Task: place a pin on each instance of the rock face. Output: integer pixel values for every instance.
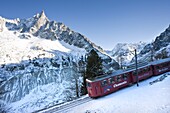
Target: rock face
(29, 74)
(36, 52)
(158, 49)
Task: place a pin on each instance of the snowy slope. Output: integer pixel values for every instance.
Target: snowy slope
(14, 49)
(143, 99)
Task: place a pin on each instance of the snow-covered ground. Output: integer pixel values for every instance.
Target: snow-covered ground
(146, 98)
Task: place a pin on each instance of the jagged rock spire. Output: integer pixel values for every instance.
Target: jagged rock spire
(42, 14)
(41, 20)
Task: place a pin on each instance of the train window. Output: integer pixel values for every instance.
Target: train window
(134, 73)
(88, 84)
(164, 65)
(111, 80)
(145, 70)
(119, 78)
(115, 78)
(139, 72)
(104, 83)
(125, 76)
(149, 69)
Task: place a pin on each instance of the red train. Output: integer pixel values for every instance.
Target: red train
(107, 84)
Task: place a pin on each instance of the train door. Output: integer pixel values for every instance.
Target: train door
(98, 89)
(130, 78)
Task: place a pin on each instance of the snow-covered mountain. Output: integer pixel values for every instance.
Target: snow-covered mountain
(158, 49)
(37, 55)
(41, 26)
(124, 52)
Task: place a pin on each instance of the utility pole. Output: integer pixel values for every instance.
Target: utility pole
(136, 63)
(136, 66)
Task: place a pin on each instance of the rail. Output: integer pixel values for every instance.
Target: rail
(64, 107)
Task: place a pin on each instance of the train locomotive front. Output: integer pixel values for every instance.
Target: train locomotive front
(107, 84)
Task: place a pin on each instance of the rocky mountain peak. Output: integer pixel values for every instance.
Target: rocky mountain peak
(41, 20)
(42, 14)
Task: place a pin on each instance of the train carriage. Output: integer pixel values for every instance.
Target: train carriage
(144, 72)
(107, 84)
(161, 66)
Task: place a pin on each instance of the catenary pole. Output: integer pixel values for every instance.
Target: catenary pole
(136, 63)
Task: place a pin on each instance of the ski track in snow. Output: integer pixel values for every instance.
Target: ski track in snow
(143, 99)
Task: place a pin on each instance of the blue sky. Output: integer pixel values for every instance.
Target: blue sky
(104, 22)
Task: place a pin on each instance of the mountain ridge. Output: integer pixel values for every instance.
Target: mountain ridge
(124, 52)
(158, 49)
(40, 26)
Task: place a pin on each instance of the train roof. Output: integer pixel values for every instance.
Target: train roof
(115, 73)
(160, 61)
(107, 75)
(118, 72)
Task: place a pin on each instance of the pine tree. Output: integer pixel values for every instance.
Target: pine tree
(94, 65)
(93, 69)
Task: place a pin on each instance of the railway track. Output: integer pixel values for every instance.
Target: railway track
(65, 107)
